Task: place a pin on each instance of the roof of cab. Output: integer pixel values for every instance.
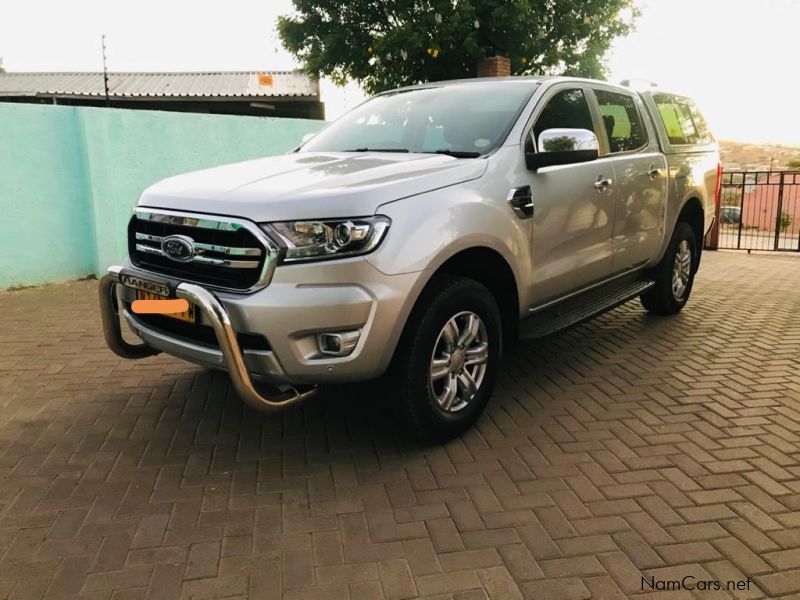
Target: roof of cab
(517, 79)
(471, 81)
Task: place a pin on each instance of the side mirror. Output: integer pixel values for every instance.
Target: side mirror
(561, 147)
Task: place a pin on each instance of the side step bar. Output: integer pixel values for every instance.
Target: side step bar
(217, 316)
(581, 308)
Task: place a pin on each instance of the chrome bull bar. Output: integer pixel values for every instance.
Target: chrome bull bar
(215, 313)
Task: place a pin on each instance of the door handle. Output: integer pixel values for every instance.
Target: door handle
(602, 183)
(653, 173)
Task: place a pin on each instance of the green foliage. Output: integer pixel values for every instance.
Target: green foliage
(2, 70)
(385, 44)
(785, 221)
(794, 164)
(559, 144)
(732, 196)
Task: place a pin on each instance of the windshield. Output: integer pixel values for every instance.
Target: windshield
(469, 120)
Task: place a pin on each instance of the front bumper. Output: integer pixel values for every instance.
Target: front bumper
(300, 302)
(216, 315)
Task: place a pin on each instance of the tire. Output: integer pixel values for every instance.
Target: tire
(668, 296)
(428, 404)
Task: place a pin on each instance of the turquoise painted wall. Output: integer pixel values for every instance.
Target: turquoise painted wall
(69, 177)
(46, 228)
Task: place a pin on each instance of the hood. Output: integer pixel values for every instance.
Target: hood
(310, 185)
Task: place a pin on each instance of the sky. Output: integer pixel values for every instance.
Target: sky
(735, 57)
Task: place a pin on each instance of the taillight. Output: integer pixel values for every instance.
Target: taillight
(718, 185)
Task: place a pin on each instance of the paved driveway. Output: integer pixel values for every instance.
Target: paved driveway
(627, 448)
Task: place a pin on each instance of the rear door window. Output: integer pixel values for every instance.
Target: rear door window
(682, 120)
(622, 121)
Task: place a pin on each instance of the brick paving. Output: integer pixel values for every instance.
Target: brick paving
(627, 447)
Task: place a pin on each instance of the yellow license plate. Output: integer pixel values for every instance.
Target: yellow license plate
(190, 316)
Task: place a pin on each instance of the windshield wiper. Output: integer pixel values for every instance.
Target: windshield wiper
(378, 150)
(454, 153)
(457, 153)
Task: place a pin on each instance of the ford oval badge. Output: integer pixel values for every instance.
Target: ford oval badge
(179, 248)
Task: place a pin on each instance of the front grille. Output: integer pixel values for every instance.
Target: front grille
(217, 251)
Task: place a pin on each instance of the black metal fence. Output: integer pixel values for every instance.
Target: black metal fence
(759, 210)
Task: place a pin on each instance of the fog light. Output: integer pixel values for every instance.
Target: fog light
(338, 344)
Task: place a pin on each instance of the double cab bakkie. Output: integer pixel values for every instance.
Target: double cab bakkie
(418, 236)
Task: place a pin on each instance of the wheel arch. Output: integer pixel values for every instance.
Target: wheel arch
(490, 268)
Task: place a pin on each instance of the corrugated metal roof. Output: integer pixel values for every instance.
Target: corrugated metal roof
(262, 84)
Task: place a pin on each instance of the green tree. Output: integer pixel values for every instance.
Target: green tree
(2, 70)
(794, 164)
(559, 144)
(785, 221)
(389, 43)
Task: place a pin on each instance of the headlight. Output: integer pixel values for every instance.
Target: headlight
(336, 238)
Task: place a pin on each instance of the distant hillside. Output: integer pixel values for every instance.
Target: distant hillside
(757, 157)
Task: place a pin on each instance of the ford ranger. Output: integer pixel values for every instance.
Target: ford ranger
(417, 237)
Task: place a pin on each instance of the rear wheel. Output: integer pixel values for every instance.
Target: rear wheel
(446, 364)
(674, 275)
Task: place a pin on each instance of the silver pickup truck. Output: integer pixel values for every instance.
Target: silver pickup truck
(417, 237)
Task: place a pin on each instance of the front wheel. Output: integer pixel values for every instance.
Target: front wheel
(674, 275)
(446, 364)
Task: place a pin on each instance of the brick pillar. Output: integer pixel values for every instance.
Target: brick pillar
(494, 66)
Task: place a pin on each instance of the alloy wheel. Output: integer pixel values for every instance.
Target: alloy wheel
(458, 362)
(681, 270)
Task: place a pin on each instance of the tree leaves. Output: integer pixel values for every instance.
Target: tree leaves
(385, 44)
